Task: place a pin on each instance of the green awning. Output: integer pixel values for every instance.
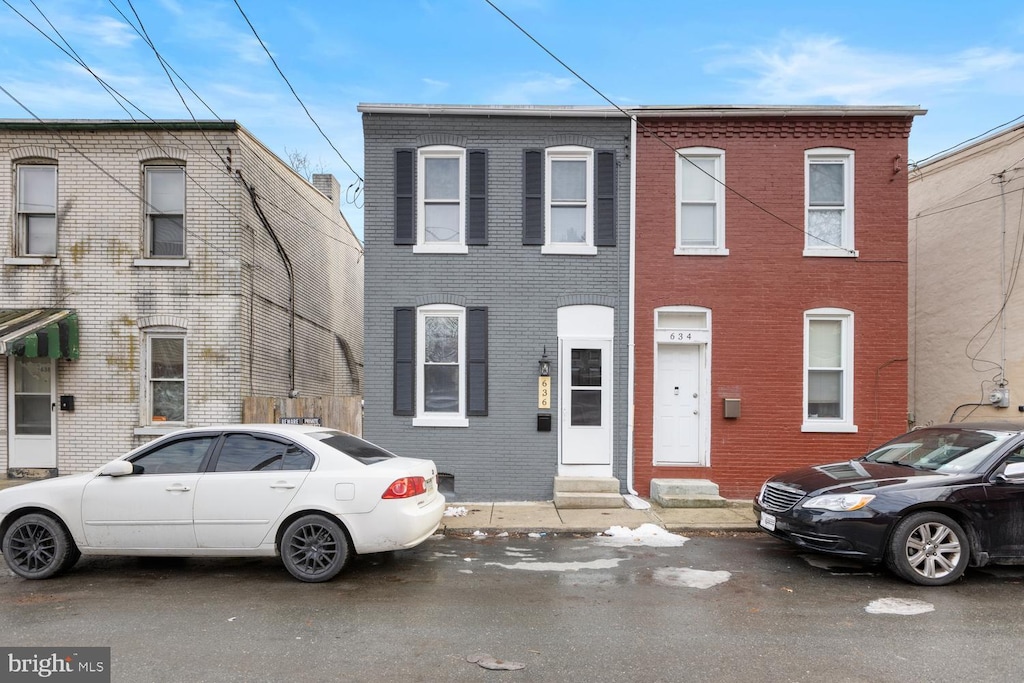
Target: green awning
(39, 332)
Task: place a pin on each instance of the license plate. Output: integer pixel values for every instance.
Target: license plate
(768, 521)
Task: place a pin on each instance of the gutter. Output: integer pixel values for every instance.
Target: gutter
(630, 391)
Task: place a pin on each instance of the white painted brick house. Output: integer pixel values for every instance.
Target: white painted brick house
(155, 274)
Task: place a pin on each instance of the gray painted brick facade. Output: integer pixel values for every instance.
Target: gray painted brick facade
(500, 456)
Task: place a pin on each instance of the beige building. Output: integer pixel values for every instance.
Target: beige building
(966, 249)
(153, 276)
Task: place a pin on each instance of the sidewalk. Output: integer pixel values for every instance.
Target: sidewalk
(544, 517)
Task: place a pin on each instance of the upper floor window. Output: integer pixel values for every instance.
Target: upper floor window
(700, 201)
(165, 212)
(828, 371)
(441, 212)
(569, 209)
(829, 202)
(37, 210)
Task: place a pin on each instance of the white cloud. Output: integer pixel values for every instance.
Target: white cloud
(433, 83)
(535, 89)
(824, 68)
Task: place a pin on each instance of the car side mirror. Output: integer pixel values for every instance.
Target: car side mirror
(1011, 474)
(117, 468)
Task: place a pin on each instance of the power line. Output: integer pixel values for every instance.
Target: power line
(969, 140)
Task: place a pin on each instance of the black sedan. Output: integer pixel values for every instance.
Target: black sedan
(928, 504)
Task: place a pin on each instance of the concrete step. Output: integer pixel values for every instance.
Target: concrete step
(686, 493)
(588, 501)
(586, 485)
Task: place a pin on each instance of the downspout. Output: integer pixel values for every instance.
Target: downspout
(293, 392)
(630, 391)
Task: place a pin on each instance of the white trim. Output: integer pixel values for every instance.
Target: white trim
(21, 217)
(717, 155)
(570, 153)
(437, 419)
(148, 210)
(31, 261)
(844, 423)
(161, 263)
(846, 158)
(439, 152)
(630, 318)
(147, 380)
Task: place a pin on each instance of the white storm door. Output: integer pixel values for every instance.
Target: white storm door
(32, 412)
(677, 405)
(140, 511)
(585, 423)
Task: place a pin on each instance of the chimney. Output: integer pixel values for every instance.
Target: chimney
(329, 187)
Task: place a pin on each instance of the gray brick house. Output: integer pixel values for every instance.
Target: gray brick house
(497, 293)
(154, 274)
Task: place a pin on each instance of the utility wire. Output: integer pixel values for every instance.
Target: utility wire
(969, 140)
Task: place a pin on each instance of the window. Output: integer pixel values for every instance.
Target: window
(828, 371)
(440, 364)
(165, 212)
(166, 378)
(700, 207)
(569, 210)
(441, 215)
(248, 453)
(184, 456)
(829, 198)
(37, 210)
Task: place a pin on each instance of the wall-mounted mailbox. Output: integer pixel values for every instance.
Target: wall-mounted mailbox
(731, 408)
(67, 403)
(544, 422)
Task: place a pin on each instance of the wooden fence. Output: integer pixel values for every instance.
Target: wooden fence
(338, 412)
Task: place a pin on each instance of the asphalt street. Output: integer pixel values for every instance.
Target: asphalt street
(723, 607)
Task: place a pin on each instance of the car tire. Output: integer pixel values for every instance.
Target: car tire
(929, 549)
(37, 546)
(314, 548)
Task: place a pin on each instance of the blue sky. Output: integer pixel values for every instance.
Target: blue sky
(963, 63)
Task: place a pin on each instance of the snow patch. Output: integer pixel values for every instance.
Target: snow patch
(684, 577)
(456, 512)
(645, 534)
(903, 606)
(559, 566)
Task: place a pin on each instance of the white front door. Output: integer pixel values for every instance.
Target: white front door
(677, 405)
(586, 414)
(32, 413)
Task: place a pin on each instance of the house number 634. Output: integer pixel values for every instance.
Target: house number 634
(680, 336)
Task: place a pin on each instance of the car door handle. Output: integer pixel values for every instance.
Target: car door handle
(177, 488)
(282, 485)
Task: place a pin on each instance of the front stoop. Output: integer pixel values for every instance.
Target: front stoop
(686, 493)
(584, 493)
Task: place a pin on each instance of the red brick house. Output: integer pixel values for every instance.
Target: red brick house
(770, 309)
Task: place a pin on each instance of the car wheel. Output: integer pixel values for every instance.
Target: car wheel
(314, 548)
(37, 546)
(929, 549)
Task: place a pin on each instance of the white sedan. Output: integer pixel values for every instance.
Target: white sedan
(314, 496)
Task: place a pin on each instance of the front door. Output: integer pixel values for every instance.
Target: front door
(586, 402)
(32, 413)
(677, 403)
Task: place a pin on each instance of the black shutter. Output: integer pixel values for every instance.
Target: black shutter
(533, 196)
(476, 359)
(604, 213)
(405, 361)
(476, 212)
(405, 196)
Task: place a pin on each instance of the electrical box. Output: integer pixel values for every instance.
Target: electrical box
(544, 422)
(999, 397)
(67, 403)
(731, 408)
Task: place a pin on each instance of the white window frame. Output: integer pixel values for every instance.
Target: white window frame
(435, 419)
(148, 380)
(569, 153)
(844, 423)
(150, 212)
(22, 217)
(718, 155)
(422, 246)
(834, 155)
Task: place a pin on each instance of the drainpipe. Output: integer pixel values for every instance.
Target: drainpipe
(630, 391)
(293, 392)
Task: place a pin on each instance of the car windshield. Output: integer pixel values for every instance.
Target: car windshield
(942, 449)
(352, 446)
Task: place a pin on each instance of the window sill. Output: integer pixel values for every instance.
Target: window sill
(701, 251)
(158, 431)
(829, 427)
(569, 249)
(832, 253)
(440, 249)
(161, 263)
(32, 261)
(440, 422)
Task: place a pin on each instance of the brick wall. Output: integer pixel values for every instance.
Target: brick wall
(759, 292)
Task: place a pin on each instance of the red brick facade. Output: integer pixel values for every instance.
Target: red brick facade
(758, 293)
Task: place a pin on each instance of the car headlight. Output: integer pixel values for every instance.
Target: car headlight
(845, 502)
